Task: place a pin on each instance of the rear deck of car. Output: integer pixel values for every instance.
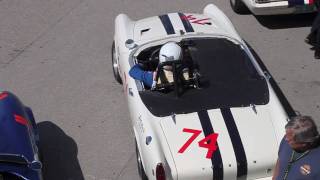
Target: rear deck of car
(228, 79)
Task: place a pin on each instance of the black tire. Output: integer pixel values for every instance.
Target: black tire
(239, 7)
(115, 67)
(141, 171)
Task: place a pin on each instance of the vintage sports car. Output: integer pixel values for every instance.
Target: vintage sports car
(224, 122)
(272, 7)
(19, 141)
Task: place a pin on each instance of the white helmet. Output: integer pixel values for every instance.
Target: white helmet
(171, 51)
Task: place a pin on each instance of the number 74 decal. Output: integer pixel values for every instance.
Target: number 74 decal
(208, 142)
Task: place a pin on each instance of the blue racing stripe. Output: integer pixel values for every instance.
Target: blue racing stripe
(216, 158)
(295, 3)
(236, 142)
(167, 24)
(186, 23)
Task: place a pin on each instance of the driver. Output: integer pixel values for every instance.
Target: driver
(170, 51)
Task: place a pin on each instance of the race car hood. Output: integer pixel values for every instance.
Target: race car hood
(14, 129)
(246, 143)
(15, 138)
(172, 24)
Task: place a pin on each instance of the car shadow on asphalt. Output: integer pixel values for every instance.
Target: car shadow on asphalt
(286, 21)
(283, 100)
(59, 153)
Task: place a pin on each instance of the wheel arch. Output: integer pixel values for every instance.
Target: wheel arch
(214, 12)
(154, 153)
(124, 28)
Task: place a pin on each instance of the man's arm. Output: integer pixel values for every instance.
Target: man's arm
(155, 75)
(136, 72)
(276, 171)
(277, 166)
(154, 80)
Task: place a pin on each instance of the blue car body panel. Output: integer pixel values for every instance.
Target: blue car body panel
(18, 136)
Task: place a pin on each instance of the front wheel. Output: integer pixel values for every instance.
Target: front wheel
(239, 7)
(141, 171)
(115, 65)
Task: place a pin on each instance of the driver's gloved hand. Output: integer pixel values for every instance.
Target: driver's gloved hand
(154, 85)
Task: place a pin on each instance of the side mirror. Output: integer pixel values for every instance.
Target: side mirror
(130, 44)
(35, 165)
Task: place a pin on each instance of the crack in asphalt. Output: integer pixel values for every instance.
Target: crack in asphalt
(124, 167)
(5, 64)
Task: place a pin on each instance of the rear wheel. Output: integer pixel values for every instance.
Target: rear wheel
(141, 171)
(239, 7)
(115, 65)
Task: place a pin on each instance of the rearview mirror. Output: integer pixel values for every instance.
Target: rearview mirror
(130, 44)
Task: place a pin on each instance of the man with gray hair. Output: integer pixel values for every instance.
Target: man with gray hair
(299, 152)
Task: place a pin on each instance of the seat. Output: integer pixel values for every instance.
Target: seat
(184, 75)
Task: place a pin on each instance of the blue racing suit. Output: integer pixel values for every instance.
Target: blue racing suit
(139, 74)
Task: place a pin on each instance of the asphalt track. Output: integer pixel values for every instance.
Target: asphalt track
(55, 55)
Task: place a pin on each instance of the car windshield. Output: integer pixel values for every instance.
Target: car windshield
(227, 79)
(9, 176)
(12, 158)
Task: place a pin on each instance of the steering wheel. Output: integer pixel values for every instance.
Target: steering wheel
(151, 63)
(154, 57)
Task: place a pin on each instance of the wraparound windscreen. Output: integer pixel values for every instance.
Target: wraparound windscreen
(228, 79)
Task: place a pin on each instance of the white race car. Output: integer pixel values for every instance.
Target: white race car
(224, 122)
(272, 7)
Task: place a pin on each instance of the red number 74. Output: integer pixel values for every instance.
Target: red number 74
(208, 142)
